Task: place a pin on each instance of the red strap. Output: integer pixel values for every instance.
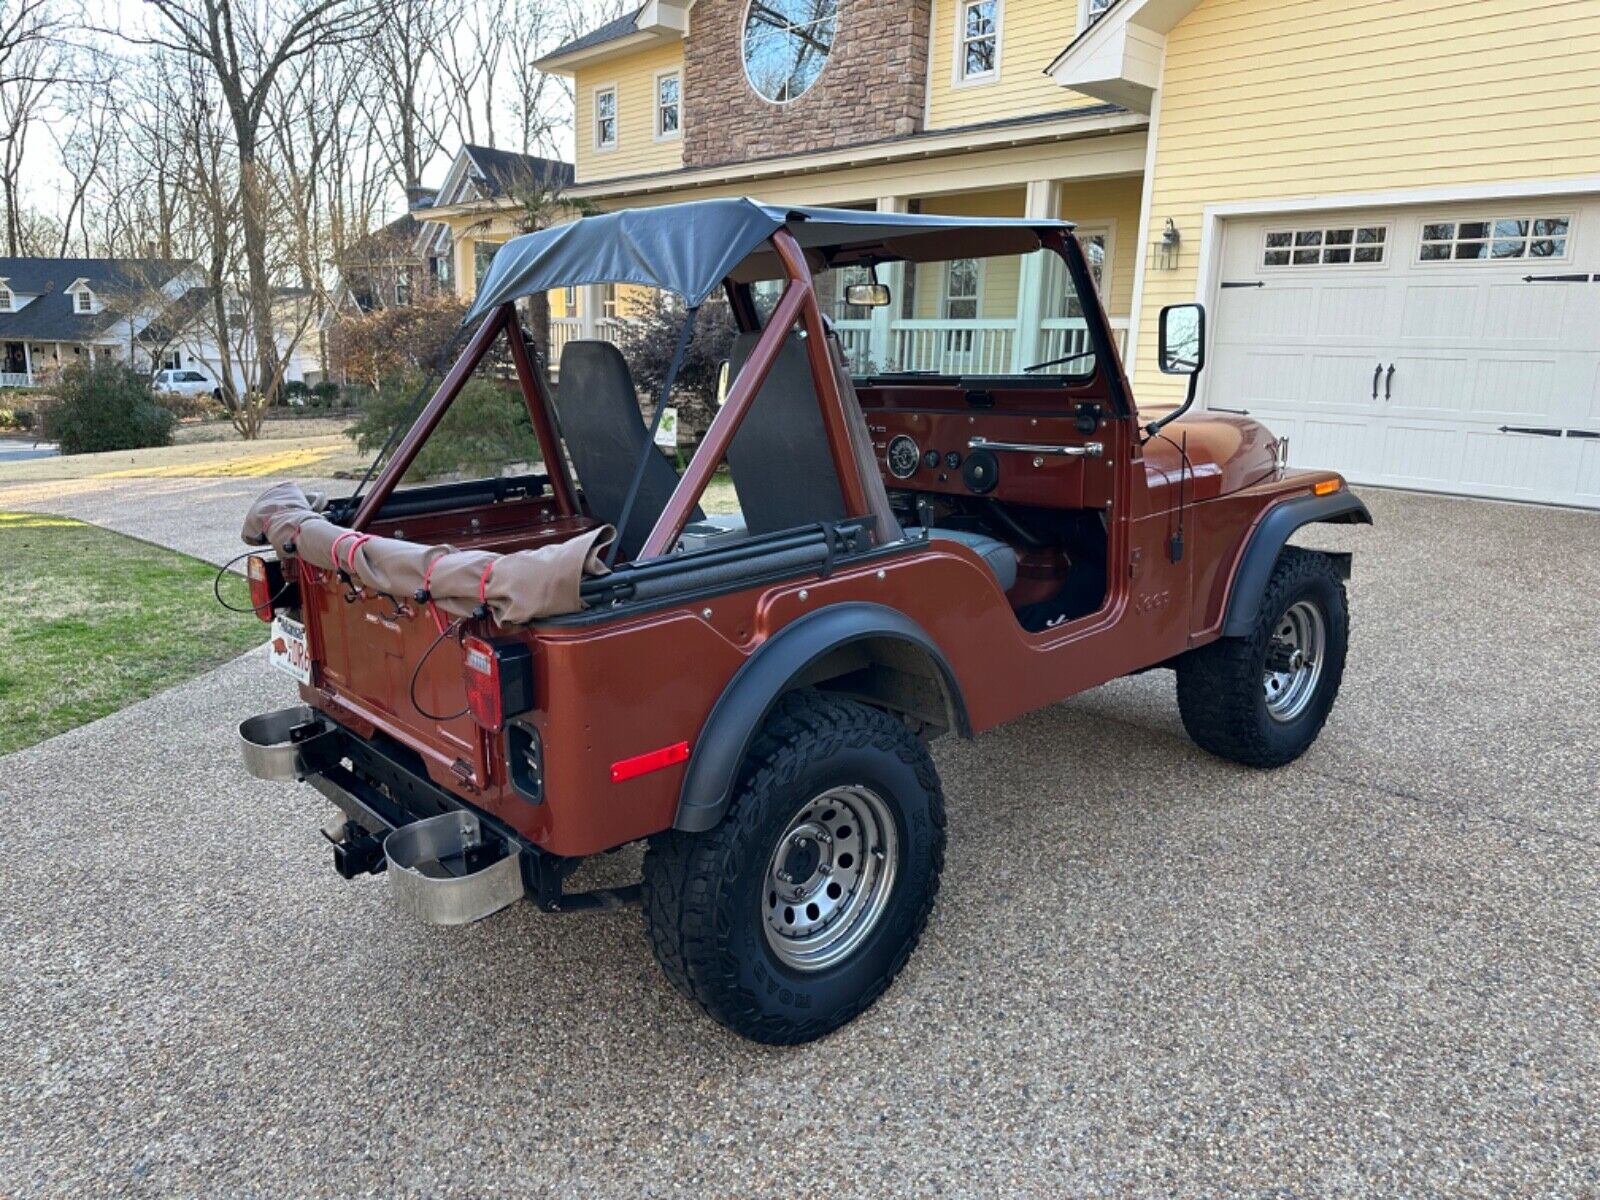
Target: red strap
(483, 582)
(433, 609)
(360, 541)
(333, 551)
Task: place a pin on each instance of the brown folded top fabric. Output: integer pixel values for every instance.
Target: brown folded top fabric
(515, 588)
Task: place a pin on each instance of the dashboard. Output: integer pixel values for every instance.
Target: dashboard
(1046, 461)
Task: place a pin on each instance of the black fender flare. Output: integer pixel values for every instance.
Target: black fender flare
(738, 714)
(1267, 542)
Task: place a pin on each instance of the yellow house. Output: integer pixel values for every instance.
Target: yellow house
(1391, 211)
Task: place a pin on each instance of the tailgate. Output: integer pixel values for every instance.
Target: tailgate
(367, 650)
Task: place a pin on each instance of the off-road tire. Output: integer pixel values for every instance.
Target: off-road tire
(1220, 686)
(703, 893)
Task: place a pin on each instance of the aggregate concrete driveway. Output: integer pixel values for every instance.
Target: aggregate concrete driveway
(1149, 973)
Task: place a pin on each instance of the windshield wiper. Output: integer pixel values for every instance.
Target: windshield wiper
(1056, 362)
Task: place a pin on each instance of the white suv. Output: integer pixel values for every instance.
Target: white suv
(185, 382)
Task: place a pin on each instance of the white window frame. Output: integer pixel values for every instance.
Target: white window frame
(83, 301)
(1088, 13)
(1529, 216)
(657, 106)
(1322, 228)
(594, 118)
(958, 66)
(8, 299)
(944, 291)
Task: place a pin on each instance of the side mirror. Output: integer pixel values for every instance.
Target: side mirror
(867, 295)
(1183, 339)
(722, 383)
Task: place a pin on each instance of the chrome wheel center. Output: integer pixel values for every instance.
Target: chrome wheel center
(1294, 661)
(830, 877)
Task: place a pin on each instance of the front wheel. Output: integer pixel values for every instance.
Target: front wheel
(1262, 699)
(794, 913)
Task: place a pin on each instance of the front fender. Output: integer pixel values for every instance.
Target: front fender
(731, 729)
(1267, 542)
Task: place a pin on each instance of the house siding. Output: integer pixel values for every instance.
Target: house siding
(1032, 33)
(637, 151)
(1264, 100)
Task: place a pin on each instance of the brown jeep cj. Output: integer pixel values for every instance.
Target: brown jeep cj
(501, 678)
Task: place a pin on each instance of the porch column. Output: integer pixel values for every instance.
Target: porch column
(881, 336)
(1043, 203)
(27, 362)
(591, 299)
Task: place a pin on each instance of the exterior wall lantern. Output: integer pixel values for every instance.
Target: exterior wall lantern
(1167, 248)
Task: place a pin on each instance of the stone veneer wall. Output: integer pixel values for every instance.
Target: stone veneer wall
(872, 88)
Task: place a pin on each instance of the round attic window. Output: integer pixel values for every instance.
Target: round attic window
(786, 45)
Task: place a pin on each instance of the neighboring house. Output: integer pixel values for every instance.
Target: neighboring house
(478, 208)
(151, 312)
(185, 335)
(1392, 213)
(55, 311)
(394, 266)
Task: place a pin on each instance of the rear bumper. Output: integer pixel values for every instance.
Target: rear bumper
(446, 863)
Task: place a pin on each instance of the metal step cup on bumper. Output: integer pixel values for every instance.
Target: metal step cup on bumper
(444, 866)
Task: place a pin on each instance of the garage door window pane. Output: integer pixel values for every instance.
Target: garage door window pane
(1338, 247)
(1497, 239)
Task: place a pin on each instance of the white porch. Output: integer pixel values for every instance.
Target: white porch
(998, 317)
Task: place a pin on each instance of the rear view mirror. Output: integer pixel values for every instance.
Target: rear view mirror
(867, 295)
(1183, 339)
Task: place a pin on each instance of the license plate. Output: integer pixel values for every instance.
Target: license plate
(287, 649)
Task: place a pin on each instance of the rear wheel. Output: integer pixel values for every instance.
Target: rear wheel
(1262, 699)
(797, 911)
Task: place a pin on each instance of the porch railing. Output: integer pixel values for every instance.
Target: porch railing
(565, 329)
(955, 347)
(15, 379)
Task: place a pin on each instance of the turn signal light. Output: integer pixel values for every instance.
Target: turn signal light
(263, 589)
(499, 680)
(1327, 487)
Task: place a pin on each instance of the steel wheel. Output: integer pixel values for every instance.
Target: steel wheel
(830, 878)
(1294, 660)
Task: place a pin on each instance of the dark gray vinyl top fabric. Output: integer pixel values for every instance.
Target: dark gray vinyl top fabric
(691, 248)
(606, 436)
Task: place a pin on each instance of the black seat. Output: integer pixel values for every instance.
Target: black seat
(783, 472)
(606, 435)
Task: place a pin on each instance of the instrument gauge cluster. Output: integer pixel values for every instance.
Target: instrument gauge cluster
(904, 457)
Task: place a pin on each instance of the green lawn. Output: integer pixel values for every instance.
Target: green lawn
(92, 621)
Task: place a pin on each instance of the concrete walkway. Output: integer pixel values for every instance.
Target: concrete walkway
(1374, 973)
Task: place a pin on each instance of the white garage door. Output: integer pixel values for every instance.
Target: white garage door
(1452, 349)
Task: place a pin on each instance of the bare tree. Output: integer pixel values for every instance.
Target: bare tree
(410, 103)
(30, 65)
(240, 47)
(471, 61)
(541, 102)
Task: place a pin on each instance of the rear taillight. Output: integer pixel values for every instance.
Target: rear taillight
(263, 591)
(499, 679)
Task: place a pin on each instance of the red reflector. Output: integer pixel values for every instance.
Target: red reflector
(653, 760)
(260, 587)
(483, 682)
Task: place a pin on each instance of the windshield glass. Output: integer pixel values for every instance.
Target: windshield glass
(966, 317)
